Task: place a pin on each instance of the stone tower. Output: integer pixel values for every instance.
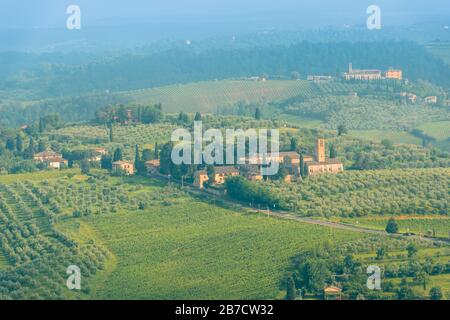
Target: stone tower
(320, 150)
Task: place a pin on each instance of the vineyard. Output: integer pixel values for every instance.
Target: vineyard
(362, 193)
(166, 242)
(199, 251)
(207, 96)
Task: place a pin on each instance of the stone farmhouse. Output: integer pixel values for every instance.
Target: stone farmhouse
(220, 175)
(51, 159)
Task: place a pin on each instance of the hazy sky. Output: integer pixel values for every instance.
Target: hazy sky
(51, 13)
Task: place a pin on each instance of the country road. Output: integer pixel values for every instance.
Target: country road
(288, 216)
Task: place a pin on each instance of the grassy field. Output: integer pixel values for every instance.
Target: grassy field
(416, 224)
(397, 137)
(207, 96)
(438, 130)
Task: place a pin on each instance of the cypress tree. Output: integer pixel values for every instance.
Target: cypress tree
(290, 289)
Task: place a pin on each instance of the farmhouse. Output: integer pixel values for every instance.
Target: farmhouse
(51, 159)
(56, 163)
(123, 166)
(431, 100)
(332, 293)
(321, 164)
(220, 175)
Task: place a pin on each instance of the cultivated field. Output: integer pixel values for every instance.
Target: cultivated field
(192, 249)
(207, 96)
(141, 239)
(397, 137)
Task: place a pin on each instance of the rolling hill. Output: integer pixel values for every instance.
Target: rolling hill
(207, 96)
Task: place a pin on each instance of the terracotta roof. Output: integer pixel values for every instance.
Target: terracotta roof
(120, 162)
(47, 154)
(291, 154)
(332, 289)
(225, 170)
(327, 161)
(153, 162)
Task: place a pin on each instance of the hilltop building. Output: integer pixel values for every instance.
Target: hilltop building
(291, 161)
(123, 166)
(396, 74)
(320, 164)
(360, 74)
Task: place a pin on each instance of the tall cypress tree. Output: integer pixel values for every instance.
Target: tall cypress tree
(137, 160)
(291, 293)
(117, 155)
(156, 151)
(19, 143)
(111, 133)
(31, 149)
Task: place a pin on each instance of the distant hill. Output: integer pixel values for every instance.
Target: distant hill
(139, 70)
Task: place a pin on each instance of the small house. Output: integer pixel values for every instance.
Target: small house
(123, 166)
(332, 293)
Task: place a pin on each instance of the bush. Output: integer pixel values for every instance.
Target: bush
(392, 226)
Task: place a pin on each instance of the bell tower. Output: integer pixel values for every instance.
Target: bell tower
(320, 150)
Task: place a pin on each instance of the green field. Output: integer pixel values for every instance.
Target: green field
(207, 96)
(441, 51)
(178, 246)
(416, 224)
(193, 250)
(439, 130)
(397, 137)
